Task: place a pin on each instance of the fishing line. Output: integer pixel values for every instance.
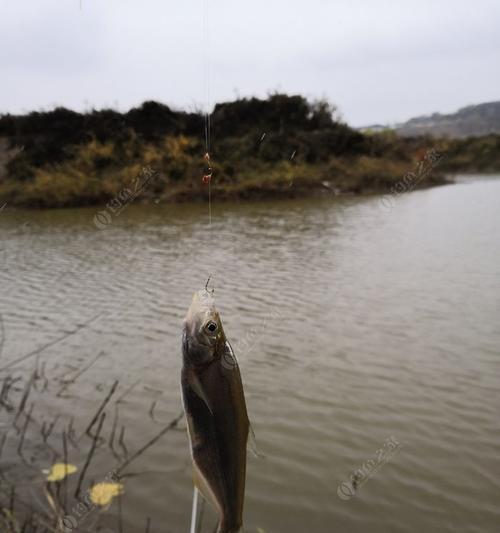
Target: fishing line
(207, 175)
(207, 178)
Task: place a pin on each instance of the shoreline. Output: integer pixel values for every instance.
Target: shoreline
(251, 195)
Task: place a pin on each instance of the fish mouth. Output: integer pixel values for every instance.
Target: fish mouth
(202, 307)
(204, 298)
(201, 304)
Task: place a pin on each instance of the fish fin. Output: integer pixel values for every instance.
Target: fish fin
(252, 443)
(231, 350)
(202, 485)
(229, 361)
(198, 390)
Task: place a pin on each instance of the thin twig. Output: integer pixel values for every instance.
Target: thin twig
(48, 345)
(121, 442)
(89, 455)
(26, 423)
(102, 407)
(71, 381)
(65, 460)
(120, 399)
(2, 334)
(2, 443)
(151, 442)
(151, 411)
(120, 520)
(24, 399)
(12, 499)
(71, 433)
(51, 427)
(113, 431)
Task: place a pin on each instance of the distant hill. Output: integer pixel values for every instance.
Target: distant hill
(470, 121)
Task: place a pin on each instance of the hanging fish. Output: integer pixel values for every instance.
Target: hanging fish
(214, 403)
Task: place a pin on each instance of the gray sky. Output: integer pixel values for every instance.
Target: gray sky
(379, 61)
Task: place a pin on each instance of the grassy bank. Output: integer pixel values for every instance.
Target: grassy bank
(280, 147)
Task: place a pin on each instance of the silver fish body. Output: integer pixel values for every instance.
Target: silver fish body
(216, 414)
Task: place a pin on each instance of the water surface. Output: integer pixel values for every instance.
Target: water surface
(353, 324)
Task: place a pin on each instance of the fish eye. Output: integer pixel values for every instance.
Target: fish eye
(211, 327)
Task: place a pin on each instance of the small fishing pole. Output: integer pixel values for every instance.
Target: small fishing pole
(194, 511)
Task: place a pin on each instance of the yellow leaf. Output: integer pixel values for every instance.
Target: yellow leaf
(103, 493)
(59, 471)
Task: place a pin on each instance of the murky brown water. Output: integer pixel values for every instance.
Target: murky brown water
(353, 324)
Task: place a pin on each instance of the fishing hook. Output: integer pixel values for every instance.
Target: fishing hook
(206, 285)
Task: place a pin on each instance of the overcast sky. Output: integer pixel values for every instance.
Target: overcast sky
(379, 61)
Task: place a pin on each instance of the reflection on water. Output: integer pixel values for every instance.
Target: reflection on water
(354, 325)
